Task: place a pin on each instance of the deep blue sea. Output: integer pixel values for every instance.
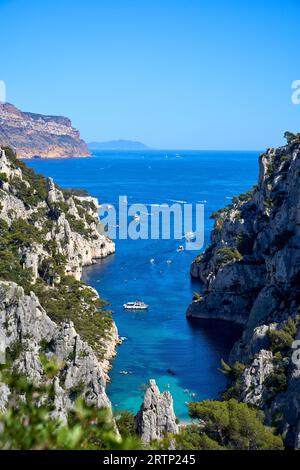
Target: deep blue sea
(161, 338)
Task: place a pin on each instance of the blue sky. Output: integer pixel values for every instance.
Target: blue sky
(173, 74)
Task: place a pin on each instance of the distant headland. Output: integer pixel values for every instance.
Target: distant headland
(120, 144)
(36, 135)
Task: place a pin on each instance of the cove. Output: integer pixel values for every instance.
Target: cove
(183, 356)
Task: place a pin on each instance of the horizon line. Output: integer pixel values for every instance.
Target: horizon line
(164, 149)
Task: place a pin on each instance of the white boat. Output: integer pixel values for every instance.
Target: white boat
(180, 248)
(137, 305)
(190, 236)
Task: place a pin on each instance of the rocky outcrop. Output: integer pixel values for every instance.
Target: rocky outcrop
(156, 416)
(83, 246)
(36, 135)
(31, 334)
(250, 274)
(287, 406)
(254, 378)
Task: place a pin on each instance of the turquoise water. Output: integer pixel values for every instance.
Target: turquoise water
(161, 338)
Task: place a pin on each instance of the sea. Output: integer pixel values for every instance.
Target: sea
(160, 343)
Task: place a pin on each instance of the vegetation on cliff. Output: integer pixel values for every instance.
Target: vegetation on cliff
(224, 425)
(50, 319)
(29, 424)
(234, 425)
(250, 274)
(62, 296)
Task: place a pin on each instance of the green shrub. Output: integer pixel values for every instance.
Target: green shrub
(191, 439)
(126, 423)
(68, 192)
(197, 297)
(276, 382)
(11, 268)
(234, 425)
(291, 326)
(89, 219)
(281, 340)
(52, 267)
(216, 215)
(28, 425)
(78, 225)
(72, 300)
(271, 168)
(233, 372)
(13, 352)
(24, 234)
(229, 255)
(244, 197)
(30, 195)
(286, 158)
(38, 183)
(3, 178)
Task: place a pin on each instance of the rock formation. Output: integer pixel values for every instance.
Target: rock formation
(72, 220)
(254, 378)
(36, 135)
(25, 323)
(251, 275)
(46, 313)
(156, 416)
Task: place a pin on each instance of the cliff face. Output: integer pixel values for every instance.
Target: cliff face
(46, 313)
(251, 275)
(35, 135)
(31, 334)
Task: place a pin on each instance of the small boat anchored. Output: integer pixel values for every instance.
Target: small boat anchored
(137, 305)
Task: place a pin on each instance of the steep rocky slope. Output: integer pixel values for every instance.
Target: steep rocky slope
(250, 274)
(46, 313)
(36, 135)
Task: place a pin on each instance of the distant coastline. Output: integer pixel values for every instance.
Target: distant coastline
(120, 144)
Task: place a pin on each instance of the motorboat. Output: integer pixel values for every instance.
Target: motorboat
(136, 305)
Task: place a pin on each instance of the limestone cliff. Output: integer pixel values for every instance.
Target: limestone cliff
(66, 219)
(250, 274)
(31, 334)
(36, 135)
(46, 236)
